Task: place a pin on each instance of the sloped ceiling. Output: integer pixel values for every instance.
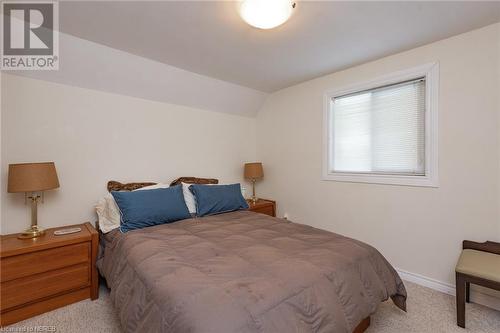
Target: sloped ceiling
(209, 37)
(86, 64)
(201, 54)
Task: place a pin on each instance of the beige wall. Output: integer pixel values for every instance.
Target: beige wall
(419, 229)
(94, 137)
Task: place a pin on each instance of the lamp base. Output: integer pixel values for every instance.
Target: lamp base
(32, 232)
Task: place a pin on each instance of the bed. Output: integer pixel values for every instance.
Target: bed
(244, 272)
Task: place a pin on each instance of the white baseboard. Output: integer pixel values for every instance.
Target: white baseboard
(448, 288)
(485, 299)
(443, 287)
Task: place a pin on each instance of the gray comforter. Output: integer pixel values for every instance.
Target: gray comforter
(244, 272)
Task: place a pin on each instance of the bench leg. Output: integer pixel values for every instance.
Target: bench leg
(461, 286)
(467, 292)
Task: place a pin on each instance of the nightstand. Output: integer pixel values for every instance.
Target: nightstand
(41, 274)
(263, 206)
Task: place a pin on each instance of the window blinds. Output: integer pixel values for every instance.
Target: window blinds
(379, 131)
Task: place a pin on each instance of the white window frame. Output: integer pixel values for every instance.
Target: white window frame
(430, 179)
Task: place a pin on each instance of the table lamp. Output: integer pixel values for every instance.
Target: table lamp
(254, 171)
(32, 179)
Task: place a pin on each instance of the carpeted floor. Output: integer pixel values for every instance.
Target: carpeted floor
(428, 311)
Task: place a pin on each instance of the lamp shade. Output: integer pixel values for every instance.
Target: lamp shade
(254, 170)
(32, 177)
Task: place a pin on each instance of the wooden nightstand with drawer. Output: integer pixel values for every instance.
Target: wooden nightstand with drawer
(41, 274)
(263, 206)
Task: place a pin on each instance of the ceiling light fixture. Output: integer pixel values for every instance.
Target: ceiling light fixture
(266, 14)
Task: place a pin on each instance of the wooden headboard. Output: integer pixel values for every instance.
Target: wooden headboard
(117, 186)
(194, 180)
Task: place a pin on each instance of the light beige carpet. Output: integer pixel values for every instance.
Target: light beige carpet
(428, 311)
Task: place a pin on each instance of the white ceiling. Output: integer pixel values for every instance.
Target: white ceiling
(209, 38)
(90, 65)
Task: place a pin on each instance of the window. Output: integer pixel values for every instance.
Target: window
(384, 131)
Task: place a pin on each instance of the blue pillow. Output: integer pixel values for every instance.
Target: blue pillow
(216, 199)
(139, 209)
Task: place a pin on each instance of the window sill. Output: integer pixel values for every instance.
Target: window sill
(401, 180)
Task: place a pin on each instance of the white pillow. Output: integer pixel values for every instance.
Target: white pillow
(108, 213)
(153, 187)
(189, 198)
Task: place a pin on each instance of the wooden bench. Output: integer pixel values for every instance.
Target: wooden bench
(479, 264)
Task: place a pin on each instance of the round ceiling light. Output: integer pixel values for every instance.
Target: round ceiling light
(266, 14)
